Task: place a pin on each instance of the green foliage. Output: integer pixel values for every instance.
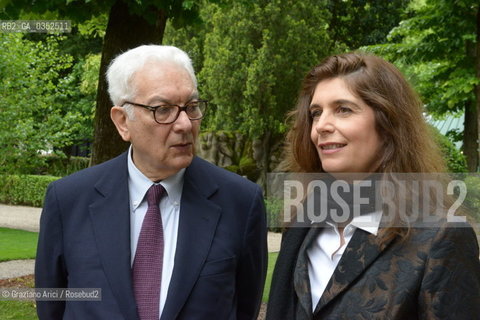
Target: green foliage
(59, 166)
(251, 58)
(77, 10)
(472, 201)
(26, 190)
(435, 48)
(183, 12)
(246, 55)
(41, 107)
(357, 23)
(17, 244)
(246, 167)
(89, 75)
(454, 158)
(274, 208)
(94, 27)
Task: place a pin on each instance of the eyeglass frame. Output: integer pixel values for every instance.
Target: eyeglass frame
(179, 109)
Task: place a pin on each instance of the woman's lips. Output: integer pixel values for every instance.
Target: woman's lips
(331, 147)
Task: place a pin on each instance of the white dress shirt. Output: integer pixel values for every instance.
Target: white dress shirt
(325, 252)
(138, 185)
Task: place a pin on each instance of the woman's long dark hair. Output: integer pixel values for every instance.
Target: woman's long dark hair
(408, 145)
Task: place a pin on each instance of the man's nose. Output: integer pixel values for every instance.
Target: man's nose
(183, 122)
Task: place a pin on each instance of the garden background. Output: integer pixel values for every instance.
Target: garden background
(249, 56)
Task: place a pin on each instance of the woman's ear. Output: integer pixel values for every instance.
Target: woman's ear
(120, 119)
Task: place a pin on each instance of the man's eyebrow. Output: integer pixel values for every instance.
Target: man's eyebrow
(159, 99)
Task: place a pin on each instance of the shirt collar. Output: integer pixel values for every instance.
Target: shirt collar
(369, 222)
(138, 184)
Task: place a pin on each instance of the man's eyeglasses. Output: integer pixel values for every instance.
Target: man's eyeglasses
(168, 113)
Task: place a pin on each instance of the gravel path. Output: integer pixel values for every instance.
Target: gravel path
(16, 268)
(19, 217)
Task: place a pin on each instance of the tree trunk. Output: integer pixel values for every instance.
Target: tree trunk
(470, 136)
(477, 87)
(124, 31)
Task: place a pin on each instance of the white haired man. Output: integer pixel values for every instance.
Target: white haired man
(163, 233)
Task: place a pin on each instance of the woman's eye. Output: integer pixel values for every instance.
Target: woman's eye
(343, 109)
(315, 113)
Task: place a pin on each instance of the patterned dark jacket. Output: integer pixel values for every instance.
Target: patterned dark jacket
(435, 274)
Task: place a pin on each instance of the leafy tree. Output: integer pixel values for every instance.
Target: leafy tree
(130, 23)
(357, 23)
(255, 56)
(439, 47)
(40, 106)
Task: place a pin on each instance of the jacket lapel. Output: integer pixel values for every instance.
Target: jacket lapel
(301, 280)
(110, 216)
(198, 221)
(282, 300)
(362, 250)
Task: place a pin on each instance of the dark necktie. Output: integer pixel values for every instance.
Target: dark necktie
(147, 266)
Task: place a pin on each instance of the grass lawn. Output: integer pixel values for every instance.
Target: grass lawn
(17, 244)
(272, 257)
(22, 245)
(18, 310)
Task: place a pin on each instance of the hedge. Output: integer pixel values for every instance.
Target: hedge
(28, 190)
(61, 167)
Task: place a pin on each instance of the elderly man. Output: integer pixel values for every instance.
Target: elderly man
(163, 233)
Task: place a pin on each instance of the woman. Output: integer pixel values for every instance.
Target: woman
(357, 114)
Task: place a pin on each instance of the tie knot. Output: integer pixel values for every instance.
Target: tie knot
(154, 194)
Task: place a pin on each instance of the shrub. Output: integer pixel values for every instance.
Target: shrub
(472, 201)
(274, 209)
(454, 158)
(24, 189)
(61, 167)
(52, 165)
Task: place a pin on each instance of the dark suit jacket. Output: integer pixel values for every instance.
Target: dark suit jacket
(220, 260)
(435, 274)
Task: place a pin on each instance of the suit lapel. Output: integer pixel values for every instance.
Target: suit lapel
(110, 216)
(198, 221)
(301, 280)
(283, 295)
(362, 250)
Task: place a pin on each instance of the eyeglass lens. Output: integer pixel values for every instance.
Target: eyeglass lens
(165, 114)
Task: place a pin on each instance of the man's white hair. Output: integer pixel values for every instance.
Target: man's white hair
(123, 67)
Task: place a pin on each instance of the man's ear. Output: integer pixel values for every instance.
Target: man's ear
(119, 118)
